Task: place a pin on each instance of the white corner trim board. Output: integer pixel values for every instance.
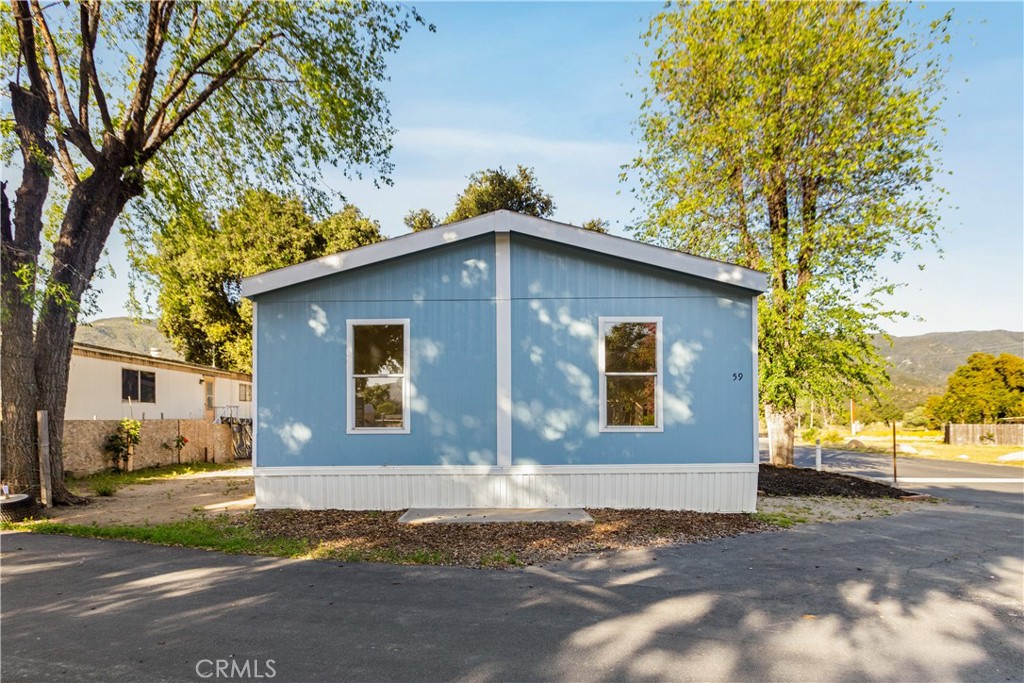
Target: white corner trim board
(503, 345)
(706, 488)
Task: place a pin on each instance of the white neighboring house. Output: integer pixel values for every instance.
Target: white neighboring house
(108, 384)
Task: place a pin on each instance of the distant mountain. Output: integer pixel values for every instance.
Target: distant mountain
(126, 334)
(928, 359)
(920, 365)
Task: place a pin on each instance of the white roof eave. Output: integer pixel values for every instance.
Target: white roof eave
(507, 221)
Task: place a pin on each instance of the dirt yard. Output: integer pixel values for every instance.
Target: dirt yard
(170, 500)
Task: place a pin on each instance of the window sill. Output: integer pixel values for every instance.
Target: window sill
(375, 430)
(630, 430)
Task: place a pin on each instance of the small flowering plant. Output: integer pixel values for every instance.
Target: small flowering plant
(179, 442)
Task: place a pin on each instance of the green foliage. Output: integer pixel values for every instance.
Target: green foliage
(796, 138)
(779, 519)
(121, 444)
(810, 434)
(149, 475)
(983, 390)
(920, 418)
(878, 409)
(420, 219)
(199, 263)
(831, 436)
(217, 533)
(105, 489)
(596, 225)
(222, 96)
(496, 189)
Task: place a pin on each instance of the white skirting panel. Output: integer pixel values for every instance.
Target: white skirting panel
(705, 488)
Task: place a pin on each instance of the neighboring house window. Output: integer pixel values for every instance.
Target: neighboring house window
(138, 386)
(378, 376)
(629, 360)
(244, 393)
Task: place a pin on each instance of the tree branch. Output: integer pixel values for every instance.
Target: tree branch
(67, 166)
(94, 79)
(156, 123)
(158, 137)
(173, 75)
(159, 17)
(58, 72)
(40, 84)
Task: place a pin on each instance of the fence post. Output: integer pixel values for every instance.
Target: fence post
(817, 454)
(43, 429)
(894, 478)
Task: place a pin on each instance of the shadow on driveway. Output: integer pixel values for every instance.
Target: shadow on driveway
(932, 595)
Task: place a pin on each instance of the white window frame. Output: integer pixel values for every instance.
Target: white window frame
(350, 383)
(659, 414)
(241, 386)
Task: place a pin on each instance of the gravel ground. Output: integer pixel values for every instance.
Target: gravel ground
(336, 532)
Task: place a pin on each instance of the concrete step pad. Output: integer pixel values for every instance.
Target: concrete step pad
(493, 515)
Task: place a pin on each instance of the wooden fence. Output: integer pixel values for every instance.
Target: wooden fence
(993, 434)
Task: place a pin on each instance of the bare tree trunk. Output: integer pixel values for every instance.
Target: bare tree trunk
(91, 211)
(781, 431)
(19, 252)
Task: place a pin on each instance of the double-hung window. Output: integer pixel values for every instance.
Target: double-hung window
(378, 376)
(629, 360)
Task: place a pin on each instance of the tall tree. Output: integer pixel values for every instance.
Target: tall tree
(796, 138)
(984, 389)
(111, 102)
(420, 219)
(199, 262)
(596, 225)
(495, 189)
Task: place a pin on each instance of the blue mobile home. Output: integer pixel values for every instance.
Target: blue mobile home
(506, 361)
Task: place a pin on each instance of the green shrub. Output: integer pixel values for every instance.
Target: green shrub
(104, 488)
(810, 434)
(832, 436)
(121, 443)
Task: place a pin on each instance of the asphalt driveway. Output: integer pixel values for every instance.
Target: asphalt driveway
(932, 595)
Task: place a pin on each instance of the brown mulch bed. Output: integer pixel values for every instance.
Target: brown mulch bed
(801, 481)
(377, 536)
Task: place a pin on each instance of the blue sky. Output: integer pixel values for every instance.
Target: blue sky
(555, 86)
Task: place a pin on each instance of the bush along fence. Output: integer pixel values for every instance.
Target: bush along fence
(159, 442)
(991, 434)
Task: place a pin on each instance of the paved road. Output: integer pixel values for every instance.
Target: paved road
(927, 596)
(909, 470)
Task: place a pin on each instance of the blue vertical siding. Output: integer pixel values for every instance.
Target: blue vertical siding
(448, 296)
(558, 294)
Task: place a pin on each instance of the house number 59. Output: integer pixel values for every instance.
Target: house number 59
(737, 376)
